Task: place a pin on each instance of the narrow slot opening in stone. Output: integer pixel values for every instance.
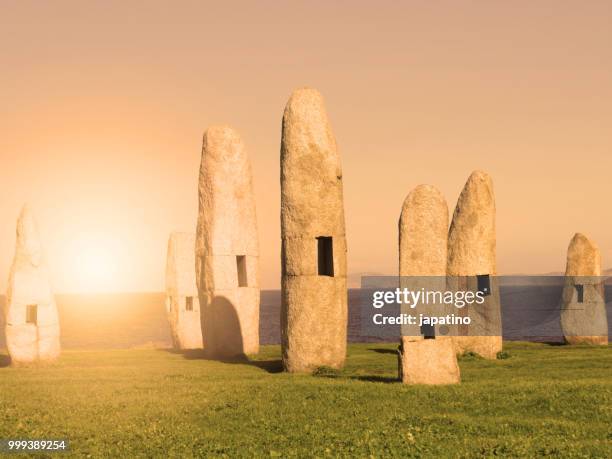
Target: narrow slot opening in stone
(484, 284)
(242, 270)
(32, 314)
(189, 303)
(580, 293)
(325, 253)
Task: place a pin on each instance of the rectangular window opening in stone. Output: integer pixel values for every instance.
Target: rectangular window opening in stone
(242, 271)
(428, 331)
(189, 303)
(580, 293)
(32, 314)
(484, 284)
(325, 253)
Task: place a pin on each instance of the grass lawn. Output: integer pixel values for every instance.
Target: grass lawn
(542, 400)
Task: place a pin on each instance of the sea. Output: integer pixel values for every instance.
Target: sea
(138, 320)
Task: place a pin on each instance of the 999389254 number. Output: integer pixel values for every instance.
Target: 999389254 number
(23, 445)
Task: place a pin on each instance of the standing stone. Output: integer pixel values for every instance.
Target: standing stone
(583, 308)
(472, 265)
(314, 289)
(32, 324)
(423, 230)
(227, 247)
(182, 302)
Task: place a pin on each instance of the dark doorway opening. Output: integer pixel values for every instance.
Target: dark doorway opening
(580, 293)
(189, 303)
(484, 284)
(325, 254)
(241, 269)
(32, 314)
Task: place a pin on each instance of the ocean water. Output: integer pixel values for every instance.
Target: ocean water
(138, 320)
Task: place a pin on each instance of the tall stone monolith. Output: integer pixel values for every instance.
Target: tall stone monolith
(472, 265)
(314, 288)
(32, 324)
(426, 357)
(227, 247)
(423, 232)
(583, 308)
(182, 301)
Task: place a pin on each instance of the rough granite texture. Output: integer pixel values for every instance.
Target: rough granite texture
(314, 307)
(471, 252)
(423, 230)
(227, 230)
(181, 287)
(429, 361)
(29, 285)
(586, 322)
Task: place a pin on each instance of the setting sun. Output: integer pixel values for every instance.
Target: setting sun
(302, 229)
(95, 264)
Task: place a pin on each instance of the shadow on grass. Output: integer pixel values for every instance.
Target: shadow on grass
(382, 350)
(366, 378)
(379, 379)
(5, 360)
(271, 366)
(276, 365)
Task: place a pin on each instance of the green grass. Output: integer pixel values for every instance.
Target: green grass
(540, 400)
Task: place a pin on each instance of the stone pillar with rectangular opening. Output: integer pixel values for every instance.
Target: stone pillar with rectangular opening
(183, 305)
(313, 253)
(32, 322)
(227, 247)
(583, 306)
(426, 355)
(472, 266)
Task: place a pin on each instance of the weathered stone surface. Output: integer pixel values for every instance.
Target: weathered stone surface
(471, 252)
(584, 322)
(314, 290)
(182, 301)
(423, 231)
(429, 361)
(32, 324)
(583, 257)
(227, 247)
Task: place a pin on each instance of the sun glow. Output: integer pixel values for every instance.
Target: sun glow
(96, 265)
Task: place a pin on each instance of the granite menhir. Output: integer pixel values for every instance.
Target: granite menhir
(583, 307)
(472, 265)
(425, 356)
(32, 323)
(182, 301)
(313, 253)
(227, 247)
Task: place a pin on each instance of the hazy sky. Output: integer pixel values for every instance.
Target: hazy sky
(103, 106)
